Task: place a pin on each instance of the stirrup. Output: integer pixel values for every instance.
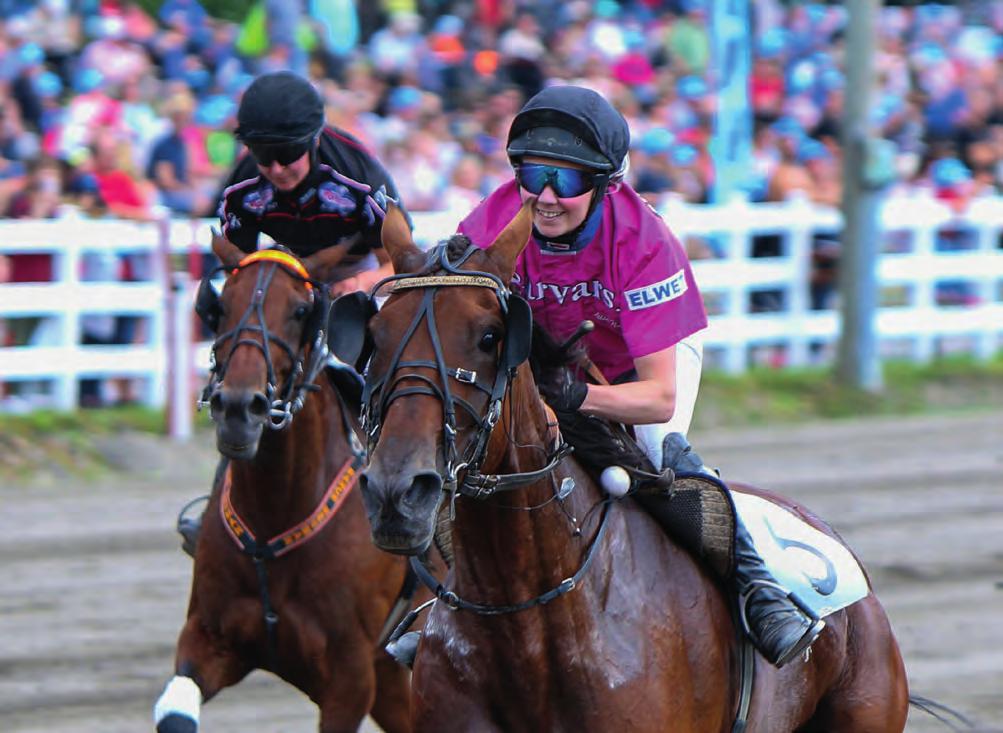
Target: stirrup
(803, 644)
(404, 649)
(188, 525)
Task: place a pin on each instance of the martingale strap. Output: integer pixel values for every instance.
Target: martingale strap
(337, 492)
(290, 262)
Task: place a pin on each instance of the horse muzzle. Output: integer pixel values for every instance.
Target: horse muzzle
(402, 508)
(240, 416)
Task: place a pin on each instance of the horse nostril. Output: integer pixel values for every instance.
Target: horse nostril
(424, 488)
(216, 401)
(260, 406)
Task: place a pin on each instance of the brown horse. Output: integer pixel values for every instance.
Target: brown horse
(564, 610)
(286, 578)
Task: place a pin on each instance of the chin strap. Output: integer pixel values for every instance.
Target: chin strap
(577, 239)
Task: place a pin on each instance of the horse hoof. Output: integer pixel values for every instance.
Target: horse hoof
(176, 723)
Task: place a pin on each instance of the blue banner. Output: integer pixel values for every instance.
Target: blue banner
(731, 144)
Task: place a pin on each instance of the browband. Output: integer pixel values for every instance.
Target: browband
(428, 281)
(283, 258)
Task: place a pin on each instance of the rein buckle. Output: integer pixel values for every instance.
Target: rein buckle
(465, 375)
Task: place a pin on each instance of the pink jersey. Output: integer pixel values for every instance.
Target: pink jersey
(633, 280)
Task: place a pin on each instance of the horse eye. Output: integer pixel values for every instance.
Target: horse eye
(489, 341)
(301, 312)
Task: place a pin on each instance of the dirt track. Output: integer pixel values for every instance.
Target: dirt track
(95, 586)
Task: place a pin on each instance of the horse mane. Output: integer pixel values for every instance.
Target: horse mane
(455, 246)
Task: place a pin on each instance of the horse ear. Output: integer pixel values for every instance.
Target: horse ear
(229, 253)
(321, 264)
(512, 239)
(397, 240)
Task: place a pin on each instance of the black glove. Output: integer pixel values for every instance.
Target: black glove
(566, 396)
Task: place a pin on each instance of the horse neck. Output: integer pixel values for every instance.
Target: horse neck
(289, 474)
(508, 547)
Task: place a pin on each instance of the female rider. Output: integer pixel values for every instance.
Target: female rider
(599, 252)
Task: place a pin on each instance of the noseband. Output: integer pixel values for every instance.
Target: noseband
(289, 400)
(380, 392)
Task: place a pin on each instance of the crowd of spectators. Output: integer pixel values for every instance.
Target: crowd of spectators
(108, 110)
(134, 111)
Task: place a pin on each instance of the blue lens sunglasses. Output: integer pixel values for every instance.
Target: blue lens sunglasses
(567, 183)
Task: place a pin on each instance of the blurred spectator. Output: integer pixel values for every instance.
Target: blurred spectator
(113, 54)
(393, 48)
(42, 195)
(173, 161)
(651, 164)
(466, 185)
(123, 193)
(688, 39)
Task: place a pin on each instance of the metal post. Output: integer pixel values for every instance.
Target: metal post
(857, 361)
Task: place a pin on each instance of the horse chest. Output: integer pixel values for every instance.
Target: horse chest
(531, 666)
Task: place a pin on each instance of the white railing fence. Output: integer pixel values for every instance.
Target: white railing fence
(941, 277)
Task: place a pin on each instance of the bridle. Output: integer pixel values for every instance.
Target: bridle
(287, 401)
(381, 391)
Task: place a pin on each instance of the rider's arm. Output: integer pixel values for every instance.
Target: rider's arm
(650, 399)
(235, 224)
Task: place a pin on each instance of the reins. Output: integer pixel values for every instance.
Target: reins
(454, 602)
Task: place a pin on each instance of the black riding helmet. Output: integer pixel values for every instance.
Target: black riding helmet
(577, 125)
(279, 107)
(573, 124)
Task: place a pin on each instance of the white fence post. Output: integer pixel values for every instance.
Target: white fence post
(179, 359)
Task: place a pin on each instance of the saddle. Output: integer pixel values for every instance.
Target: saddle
(693, 508)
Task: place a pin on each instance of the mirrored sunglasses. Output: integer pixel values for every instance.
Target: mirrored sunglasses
(566, 182)
(281, 153)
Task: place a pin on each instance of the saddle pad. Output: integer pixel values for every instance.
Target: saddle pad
(818, 568)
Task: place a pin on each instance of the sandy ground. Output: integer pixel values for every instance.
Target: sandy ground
(95, 585)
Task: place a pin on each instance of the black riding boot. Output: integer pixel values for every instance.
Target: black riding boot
(778, 625)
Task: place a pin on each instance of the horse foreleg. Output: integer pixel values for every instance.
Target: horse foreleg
(392, 707)
(203, 666)
(345, 688)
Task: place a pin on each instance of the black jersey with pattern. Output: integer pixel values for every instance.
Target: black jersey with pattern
(344, 194)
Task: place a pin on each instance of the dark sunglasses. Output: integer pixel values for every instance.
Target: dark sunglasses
(566, 182)
(281, 153)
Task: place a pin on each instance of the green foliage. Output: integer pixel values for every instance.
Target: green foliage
(233, 10)
(770, 395)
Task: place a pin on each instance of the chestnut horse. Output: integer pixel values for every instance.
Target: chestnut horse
(286, 578)
(564, 610)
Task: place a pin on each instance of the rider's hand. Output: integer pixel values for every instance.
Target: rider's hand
(567, 396)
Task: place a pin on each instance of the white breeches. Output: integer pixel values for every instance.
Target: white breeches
(689, 365)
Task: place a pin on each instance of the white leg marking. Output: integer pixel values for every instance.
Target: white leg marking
(181, 696)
